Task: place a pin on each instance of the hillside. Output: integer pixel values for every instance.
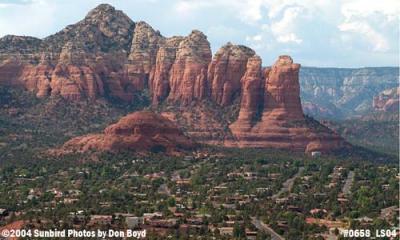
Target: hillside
(342, 93)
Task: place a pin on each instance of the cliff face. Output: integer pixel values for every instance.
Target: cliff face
(108, 55)
(188, 80)
(282, 123)
(338, 93)
(84, 60)
(252, 97)
(387, 100)
(225, 72)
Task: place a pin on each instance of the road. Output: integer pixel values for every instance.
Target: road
(288, 184)
(349, 182)
(265, 228)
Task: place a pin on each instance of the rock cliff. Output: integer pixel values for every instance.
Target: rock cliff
(387, 100)
(282, 123)
(226, 99)
(340, 93)
(225, 72)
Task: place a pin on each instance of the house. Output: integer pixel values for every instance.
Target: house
(262, 189)
(148, 216)
(317, 210)
(100, 220)
(282, 224)
(294, 208)
(389, 213)
(226, 231)
(71, 200)
(281, 200)
(342, 200)
(134, 222)
(251, 235)
(195, 221)
(163, 223)
(183, 181)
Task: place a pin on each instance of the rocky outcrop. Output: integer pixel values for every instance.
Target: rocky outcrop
(140, 131)
(75, 63)
(225, 72)
(142, 57)
(387, 101)
(251, 97)
(107, 55)
(160, 76)
(188, 80)
(282, 91)
(282, 123)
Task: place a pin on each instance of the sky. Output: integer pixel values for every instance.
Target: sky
(322, 33)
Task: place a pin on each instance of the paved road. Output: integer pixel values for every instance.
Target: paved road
(265, 228)
(288, 184)
(349, 182)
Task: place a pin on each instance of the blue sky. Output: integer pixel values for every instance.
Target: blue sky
(335, 33)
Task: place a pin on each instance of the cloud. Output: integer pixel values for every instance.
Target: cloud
(371, 22)
(378, 41)
(283, 30)
(15, 14)
(248, 11)
(314, 32)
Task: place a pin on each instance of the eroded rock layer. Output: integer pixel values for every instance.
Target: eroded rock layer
(188, 74)
(225, 72)
(282, 123)
(107, 55)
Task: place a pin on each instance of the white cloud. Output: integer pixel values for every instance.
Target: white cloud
(372, 21)
(378, 41)
(329, 30)
(15, 18)
(248, 11)
(284, 29)
(362, 8)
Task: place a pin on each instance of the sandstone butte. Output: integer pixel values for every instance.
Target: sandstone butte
(107, 55)
(140, 131)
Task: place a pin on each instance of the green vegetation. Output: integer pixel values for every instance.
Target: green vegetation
(213, 192)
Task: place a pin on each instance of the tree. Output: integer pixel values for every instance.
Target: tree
(239, 231)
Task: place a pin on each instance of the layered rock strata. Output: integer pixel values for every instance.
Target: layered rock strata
(107, 55)
(282, 123)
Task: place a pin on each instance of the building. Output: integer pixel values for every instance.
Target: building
(226, 231)
(133, 222)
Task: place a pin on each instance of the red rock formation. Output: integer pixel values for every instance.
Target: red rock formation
(188, 80)
(140, 131)
(37, 78)
(142, 57)
(75, 63)
(108, 55)
(282, 124)
(159, 78)
(282, 98)
(225, 72)
(10, 69)
(251, 96)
